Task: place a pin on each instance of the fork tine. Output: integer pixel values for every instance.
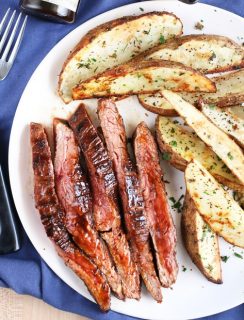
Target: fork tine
(3, 20)
(6, 32)
(11, 38)
(18, 42)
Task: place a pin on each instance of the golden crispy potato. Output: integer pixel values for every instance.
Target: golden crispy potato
(180, 147)
(205, 53)
(230, 91)
(130, 36)
(218, 209)
(230, 153)
(200, 242)
(143, 77)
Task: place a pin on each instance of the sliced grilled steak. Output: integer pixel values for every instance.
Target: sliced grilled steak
(161, 225)
(52, 217)
(74, 194)
(105, 207)
(132, 201)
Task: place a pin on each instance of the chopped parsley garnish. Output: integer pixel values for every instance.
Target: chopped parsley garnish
(230, 156)
(238, 255)
(212, 106)
(141, 9)
(184, 268)
(177, 204)
(161, 39)
(173, 143)
(166, 156)
(224, 258)
(210, 268)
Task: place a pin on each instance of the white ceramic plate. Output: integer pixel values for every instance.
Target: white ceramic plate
(192, 296)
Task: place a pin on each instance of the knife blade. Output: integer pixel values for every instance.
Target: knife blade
(9, 231)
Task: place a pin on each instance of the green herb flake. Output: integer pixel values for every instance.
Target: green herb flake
(166, 156)
(161, 39)
(238, 255)
(173, 143)
(211, 106)
(141, 9)
(177, 204)
(230, 156)
(184, 268)
(224, 258)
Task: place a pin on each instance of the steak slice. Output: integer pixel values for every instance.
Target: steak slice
(52, 217)
(161, 225)
(105, 206)
(74, 194)
(132, 201)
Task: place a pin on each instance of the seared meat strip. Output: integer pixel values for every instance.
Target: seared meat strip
(132, 201)
(105, 207)
(74, 194)
(161, 225)
(52, 217)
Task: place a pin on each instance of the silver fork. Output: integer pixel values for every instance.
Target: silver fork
(7, 58)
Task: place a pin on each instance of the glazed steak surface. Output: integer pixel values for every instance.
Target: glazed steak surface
(52, 217)
(74, 194)
(131, 197)
(105, 206)
(161, 225)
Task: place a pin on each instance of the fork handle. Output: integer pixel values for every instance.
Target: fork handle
(9, 235)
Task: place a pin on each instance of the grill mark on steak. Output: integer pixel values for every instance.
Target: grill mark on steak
(105, 207)
(74, 194)
(52, 217)
(161, 225)
(132, 201)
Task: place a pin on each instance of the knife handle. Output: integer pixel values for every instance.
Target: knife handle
(9, 235)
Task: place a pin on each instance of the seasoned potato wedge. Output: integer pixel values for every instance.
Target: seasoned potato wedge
(101, 48)
(220, 142)
(143, 77)
(200, 242)
(180, 147)
(230, 91)
(205, 53)
(226, 121)
(218, 209)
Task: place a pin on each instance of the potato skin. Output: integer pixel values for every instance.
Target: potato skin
(175, 43)
(103, 28)
(192, 230)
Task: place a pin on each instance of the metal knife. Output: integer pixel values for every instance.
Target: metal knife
(9, 231)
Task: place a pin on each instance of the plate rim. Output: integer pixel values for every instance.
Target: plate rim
(11, 139)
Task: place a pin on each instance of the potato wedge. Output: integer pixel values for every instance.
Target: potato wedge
(230, 91)
(218, 209)
(200, 242)
(205, 53)
(226, 121)
(143, 77)
(230, 153)
(180, 147)
(96, 52)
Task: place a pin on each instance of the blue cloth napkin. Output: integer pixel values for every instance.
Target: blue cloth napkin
(24, 271)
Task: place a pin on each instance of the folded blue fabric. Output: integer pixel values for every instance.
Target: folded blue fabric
(24, 271)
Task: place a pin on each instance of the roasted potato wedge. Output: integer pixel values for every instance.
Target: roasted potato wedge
(180, 147)
(230, 153)
(230, 91)
(143, 77)
(226, 121)
(218, 209)
(200, 242)
(205, 53)
(96, 52)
